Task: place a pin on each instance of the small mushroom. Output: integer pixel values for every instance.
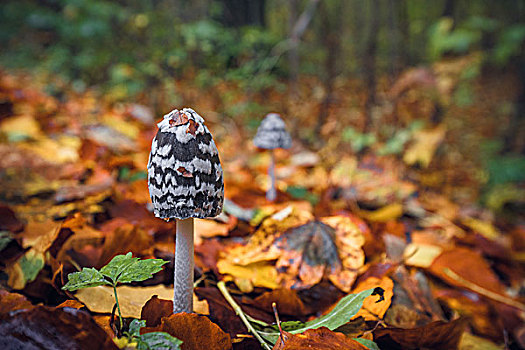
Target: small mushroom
(272, 134)
(185, 182)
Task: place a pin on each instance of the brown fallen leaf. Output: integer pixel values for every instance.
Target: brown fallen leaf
(321, 338)
(155, 309)
(287, 300)
(468, 264)
(13, 301)
(197, 332)
(45, 327)
(435, 335)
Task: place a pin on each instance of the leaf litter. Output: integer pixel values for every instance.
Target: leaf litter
(74, 197)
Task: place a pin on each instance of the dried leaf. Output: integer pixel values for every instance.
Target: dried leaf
(424, 146)
(321, 338)
(131, 299)
(435, 335)
(52, 328)
(372, 308)
(196, 332)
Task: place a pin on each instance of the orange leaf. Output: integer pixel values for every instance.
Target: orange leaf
(320, 338)
(197, 332)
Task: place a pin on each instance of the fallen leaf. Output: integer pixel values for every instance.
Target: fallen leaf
(155, 309)
(9, 220)
(320, 338)
(52, 328)
(424, 146)
(468, 264)
(435, 335)
(131, 299)
(260, 274)
(287, 301)
(389, 212)
(421, 255)
(197, 332)
(374, 309)
(484, 228)
(472, 342)
(13, 301)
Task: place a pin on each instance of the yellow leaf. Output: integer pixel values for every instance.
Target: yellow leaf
(384, 214)
(131, 299)
(482, 227)
(420, 254)
(372, 309)
(424, 146)
(260, 274)
(472, 342)
(21, 127)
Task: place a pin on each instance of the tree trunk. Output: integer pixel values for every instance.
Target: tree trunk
(331, 26)
(238, 13)
(369, 63)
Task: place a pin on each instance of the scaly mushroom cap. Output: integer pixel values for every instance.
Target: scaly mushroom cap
(272, 133)
(184, 170)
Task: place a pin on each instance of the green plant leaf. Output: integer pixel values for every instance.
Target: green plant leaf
(126, 269)
(117, 265)
(158, 341)
(368, 343)
(88, 277)
(135, 326)
(141, 270)
(153, 340)
(341, 314)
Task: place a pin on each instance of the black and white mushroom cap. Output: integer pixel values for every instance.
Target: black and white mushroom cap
(184, 171)
(272, 133)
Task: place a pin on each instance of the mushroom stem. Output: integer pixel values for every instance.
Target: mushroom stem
(183, 272)
(271, 194)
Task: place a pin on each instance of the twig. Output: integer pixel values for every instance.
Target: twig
(276, 314)
(482, 291)
(222, 287)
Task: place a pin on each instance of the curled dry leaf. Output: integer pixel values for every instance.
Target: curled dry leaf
(320, 338)
(196, 332)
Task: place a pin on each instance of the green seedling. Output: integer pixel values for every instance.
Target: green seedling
(153, 340)
(121, 269)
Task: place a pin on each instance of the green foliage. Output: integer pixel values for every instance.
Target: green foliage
(357, 140)
(121, 269)
(469, 34)
(347, 307)
(127, 47)
(88, 277)
(151, 341)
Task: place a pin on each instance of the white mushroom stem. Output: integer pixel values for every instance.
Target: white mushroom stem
(271, 194)
(183, 273)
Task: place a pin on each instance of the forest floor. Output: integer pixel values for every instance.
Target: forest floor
(397, 207)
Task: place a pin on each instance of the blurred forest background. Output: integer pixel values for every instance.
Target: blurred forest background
(352, 60)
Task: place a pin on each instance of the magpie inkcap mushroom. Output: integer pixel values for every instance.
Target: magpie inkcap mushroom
(185, 182)
(272, 133)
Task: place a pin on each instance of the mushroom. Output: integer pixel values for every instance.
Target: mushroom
(272, 134)
(185, 182)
